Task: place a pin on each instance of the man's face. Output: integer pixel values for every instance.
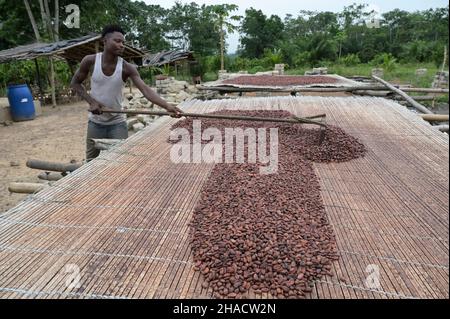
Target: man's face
(114, 43)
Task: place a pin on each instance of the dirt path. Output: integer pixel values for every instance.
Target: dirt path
(57, 135)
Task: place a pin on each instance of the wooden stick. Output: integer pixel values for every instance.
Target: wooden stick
(50, 176)
(50, 166)
(105, 144)
(415, 104)
(418, 98)
(295, 120)
(435, 117)
(26, 188)
(442, 128)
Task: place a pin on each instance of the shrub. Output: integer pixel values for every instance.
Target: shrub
(386, 61)
(350, 60)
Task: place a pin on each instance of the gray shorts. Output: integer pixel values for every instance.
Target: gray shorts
(95, 130)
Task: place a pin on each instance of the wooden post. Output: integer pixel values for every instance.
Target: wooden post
(52, 81)
(442, 70)
(38, 73)
(415, 104)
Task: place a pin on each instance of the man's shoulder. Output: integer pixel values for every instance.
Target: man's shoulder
(128, 67)
(89, 59)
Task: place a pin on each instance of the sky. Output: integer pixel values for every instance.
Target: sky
(283, 7)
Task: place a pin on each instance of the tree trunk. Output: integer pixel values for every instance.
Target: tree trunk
(43, 17)
(49, 23)
(222, 46)
(56, 20)
(33, 22)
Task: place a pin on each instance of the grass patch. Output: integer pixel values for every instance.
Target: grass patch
(403, 73)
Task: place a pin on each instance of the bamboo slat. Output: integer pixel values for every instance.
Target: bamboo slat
(122, 219)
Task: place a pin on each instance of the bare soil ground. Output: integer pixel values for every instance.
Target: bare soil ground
(57, 135)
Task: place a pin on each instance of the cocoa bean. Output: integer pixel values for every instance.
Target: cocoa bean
(267, 232)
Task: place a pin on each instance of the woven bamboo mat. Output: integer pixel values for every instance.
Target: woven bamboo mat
(118, 226)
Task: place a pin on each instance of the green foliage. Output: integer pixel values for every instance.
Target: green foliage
(386, 61)
(209, 76)
(302, 59)
(259, 33)
(340, 40)
(349, 60)
(258, 68)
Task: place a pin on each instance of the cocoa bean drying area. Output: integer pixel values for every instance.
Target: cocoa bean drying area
(280, 83)
(371, 200)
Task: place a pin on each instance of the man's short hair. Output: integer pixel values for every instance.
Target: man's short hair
(112, 28)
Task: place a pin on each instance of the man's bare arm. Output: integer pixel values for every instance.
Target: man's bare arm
(77, 84)
(149, 94)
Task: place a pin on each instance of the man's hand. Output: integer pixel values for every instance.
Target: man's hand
(176, 112)
(96, 107)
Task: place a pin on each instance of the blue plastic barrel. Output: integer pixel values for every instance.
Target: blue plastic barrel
(21, 102)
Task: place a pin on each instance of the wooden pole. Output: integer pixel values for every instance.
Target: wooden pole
(52, 81)
(41, 91)
(435, 117)
(442, 128)
(50, 176)
(415, 104)
(26, 188)
(442, 70)
(293, 120)
(315, 89)
(50, 166)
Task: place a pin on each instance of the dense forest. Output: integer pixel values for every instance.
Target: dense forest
(306, 38)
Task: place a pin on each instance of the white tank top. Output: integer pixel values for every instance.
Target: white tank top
(108, 91)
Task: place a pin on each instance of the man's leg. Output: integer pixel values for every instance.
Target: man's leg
(118, 131)
(94, 131)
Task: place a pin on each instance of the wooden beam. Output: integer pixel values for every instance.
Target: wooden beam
(415, 104)
(26, 188)
(50, 166)
(225, 88)
(435, 117)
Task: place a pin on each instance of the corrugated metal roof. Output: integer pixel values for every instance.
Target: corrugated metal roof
(166, 57)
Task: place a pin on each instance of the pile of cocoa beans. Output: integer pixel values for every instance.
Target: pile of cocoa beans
(267, 233)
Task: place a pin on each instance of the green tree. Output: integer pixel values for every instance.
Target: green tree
(259, 32)
(222, 18)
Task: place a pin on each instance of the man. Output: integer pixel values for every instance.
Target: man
(110, 72)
